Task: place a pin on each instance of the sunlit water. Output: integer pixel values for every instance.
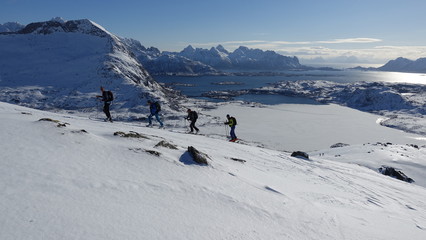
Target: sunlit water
(195, 86)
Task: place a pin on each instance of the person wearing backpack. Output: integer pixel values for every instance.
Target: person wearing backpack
(154, 108)
(232, 122)
(192, 116)
(107, 97)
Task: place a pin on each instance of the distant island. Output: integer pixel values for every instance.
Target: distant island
(400, 65)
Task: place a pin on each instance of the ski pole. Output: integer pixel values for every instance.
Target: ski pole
(186, 124)
(98, 103)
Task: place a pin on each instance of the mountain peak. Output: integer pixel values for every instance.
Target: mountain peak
(188, 49)
(220, 48)
(58, 19)
(57, 24)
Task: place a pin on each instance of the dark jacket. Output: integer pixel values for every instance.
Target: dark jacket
(192, 116)
(153, 108)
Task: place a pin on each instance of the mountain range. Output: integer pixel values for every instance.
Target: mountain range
(210, 61)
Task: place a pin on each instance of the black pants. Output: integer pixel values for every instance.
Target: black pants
(106, 110)
(192, 126)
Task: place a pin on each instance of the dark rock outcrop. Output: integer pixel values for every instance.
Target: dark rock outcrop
(166, 145)
(131, 134)
(337, 145)
(197, 156)
(392, 172)
(300, 154)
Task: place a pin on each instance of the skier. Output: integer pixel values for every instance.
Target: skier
(154, 108)
(232, 122)
(106, 97)
(192, 116)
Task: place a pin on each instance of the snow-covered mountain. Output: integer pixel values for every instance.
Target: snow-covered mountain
(242, 58)
(68, 177)
(62, 64)
(199, 61)
(405, 65)
(11, 27)
(216, 57)
(165, 63)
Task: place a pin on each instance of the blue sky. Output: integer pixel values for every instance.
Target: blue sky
(330, 31)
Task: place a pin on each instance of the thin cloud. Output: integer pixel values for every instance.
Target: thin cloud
(276, 44)
(210, 44)
(351, 40)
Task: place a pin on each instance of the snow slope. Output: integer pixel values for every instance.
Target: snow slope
(66, 183)
(61, 65)
(309, 127)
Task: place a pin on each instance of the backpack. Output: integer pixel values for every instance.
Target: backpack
(235, 120)
(158, 106)
(195, 115)
(110, 96)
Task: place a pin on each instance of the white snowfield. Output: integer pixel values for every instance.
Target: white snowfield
(66, 183)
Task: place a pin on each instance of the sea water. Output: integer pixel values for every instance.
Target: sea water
(194, 87)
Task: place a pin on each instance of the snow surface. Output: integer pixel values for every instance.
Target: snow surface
(66, 183)
(308, 127)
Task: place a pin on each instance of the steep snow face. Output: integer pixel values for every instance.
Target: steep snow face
(58, 64)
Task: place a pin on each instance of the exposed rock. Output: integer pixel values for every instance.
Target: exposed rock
(413, 145)
(79, 131)
(392, 172)
(197, 156)
(300, 154)
(166, 145)
(60, 124)
(131, 134)
(337, 145)
(152, 152)
(382, 144)
(238, 160)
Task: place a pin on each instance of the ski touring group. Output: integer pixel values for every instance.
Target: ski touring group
(107, 98)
